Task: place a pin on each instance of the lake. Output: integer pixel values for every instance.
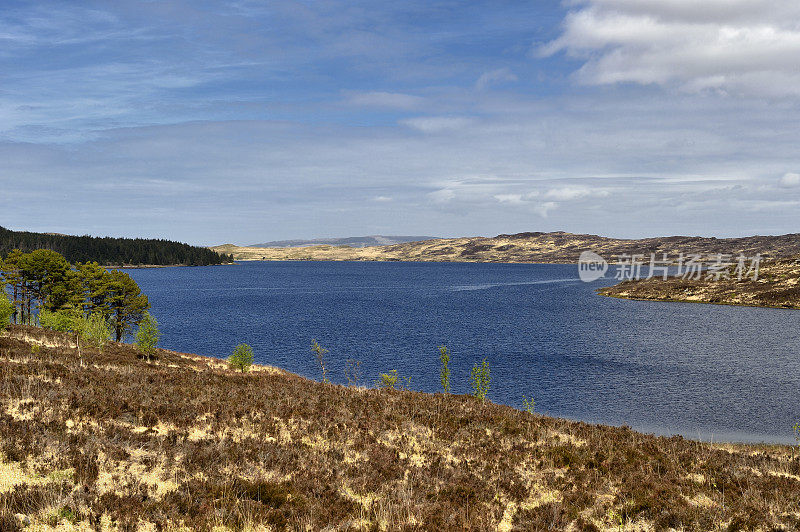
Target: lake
(707, 372)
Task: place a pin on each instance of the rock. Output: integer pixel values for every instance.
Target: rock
(23, 519)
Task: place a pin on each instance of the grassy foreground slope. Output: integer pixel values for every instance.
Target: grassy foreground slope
(117, 442)
(556, 247)
(778, 286)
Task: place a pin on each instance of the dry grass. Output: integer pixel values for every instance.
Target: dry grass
(778, 286)
(556, 247)
(117, 443)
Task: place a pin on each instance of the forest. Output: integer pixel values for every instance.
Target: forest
(42, 283)
(109, 251)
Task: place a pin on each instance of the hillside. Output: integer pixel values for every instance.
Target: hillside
(110, 251)
(778, 286)
(352, 241)
(119, 443)
(556, 247)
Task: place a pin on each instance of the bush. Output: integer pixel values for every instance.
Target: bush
(242, 358)
(147, 336)
(388, 380)
(529, 404)
(444, 369)
(395, 381)
(61, 321)
(481, 380)
(94, 330)
(6, 310)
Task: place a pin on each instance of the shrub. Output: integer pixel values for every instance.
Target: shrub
(6, 310)
(242, 358)
(388, 380)
(529, 404)
(395, 381)
(319, 354)
(444, 369)
(61, 321)
(94, 330)
(796, 428)
(147, 336)
(481, 380)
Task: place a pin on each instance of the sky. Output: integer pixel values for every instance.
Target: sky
(243, 122)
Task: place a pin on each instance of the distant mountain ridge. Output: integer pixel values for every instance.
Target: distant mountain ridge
(556, 247)
(352, 241)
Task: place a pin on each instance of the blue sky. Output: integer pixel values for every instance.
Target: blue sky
(214, 122)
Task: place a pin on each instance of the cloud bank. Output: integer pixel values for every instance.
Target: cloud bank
(747, 47)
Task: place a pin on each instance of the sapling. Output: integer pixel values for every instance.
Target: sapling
(481, 380)
(444, 369)
(242, 358)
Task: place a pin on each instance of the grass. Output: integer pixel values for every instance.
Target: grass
(185, 441)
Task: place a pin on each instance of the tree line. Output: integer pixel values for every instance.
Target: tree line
(43, 281)
(110, 251)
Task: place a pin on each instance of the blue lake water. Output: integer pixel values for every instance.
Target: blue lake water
(711, 372)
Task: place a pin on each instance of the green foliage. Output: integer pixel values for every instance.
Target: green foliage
(61, 321)
(796, 428)
(352, 371)
(111, 251)
(444, 368)
(529, 404)
(44, 281)
(481, 379)
(319, 354)
(124, 302)
(94, 330)
(242, 358)
(6, 310)
(148, 335)
(388, 380)
(393, 380)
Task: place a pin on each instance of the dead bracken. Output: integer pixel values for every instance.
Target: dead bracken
(182, 441)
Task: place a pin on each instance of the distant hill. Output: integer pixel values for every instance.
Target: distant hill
(352, 241)
(110, 251)
(557, 247)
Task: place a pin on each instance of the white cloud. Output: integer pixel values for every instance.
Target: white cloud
(382, 199)
(437, 124)
(543, 209)
(790, 180)
(513, 199)
(733, 46)
(568, 193)
(495, 77)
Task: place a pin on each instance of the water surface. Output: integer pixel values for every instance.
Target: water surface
(703, 371)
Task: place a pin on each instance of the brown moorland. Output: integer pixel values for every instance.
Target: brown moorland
(555, 247)
(117, 442)
(777, 286)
